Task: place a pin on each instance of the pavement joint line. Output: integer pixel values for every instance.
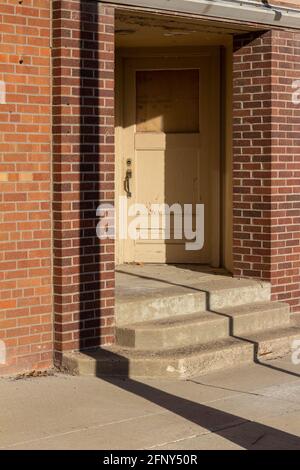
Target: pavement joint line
(82, 429)
(182, 439)
(205, 433)
(243, 392)
(216, 431)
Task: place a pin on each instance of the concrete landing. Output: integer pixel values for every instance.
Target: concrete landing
(133, 280)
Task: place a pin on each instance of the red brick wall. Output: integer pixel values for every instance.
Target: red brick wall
(266, 174)
(25, 192)
(267, 162)
(83, 154)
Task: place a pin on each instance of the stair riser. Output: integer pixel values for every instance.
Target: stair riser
(279, 347)
(185, 304)
(159, 308)
(187, 365)
(239, 296)
(260, 321)
(219, 360)
(173, 337)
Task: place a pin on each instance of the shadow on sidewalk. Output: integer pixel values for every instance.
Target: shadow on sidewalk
(246, 434)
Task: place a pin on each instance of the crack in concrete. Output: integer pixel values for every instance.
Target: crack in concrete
(258, 439)
(216, 431)
(245, 392)
(205, 433)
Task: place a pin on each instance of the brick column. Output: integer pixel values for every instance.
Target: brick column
(266, 162)
(83, 172)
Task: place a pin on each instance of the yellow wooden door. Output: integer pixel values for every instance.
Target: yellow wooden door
(170, 156)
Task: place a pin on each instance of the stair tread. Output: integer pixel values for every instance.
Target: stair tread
(254, 307)
(206, 316)
(119, 353)
(150, 295)
(178, 320)
(219, 284)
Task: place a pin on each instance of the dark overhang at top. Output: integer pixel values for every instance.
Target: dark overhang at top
(259, 12)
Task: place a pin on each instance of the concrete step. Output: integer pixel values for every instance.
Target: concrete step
(229, 292)
(183, 330)
(257, 316)
(272, 344)
(145, 305)
(185, 362)
(166, 303)
(174, 364)
(295, 319)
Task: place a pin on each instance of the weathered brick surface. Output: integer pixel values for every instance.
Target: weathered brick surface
(83, 154)
(267, 162)
(25, 212)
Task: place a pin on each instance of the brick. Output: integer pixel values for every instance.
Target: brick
(18, 172)
(256, 188)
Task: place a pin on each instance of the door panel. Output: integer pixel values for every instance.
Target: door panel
(168, 111)
(167, 101)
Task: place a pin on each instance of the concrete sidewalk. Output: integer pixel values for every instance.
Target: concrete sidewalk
(256, 407)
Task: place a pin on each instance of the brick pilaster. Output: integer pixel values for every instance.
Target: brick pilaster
(266, 163)
(83, 153)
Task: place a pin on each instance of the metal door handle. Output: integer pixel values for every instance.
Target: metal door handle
(127, 183)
